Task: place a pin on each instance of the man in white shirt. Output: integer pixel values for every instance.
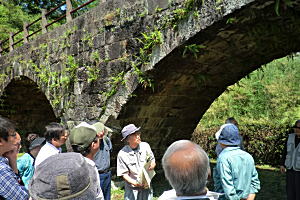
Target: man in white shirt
(130, 162)
(56, 135)
(186, 167)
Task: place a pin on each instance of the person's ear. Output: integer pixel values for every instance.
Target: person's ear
(54, 140)
(209, 174)
(94, 144)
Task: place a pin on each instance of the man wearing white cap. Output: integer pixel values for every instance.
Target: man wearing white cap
(130, 162)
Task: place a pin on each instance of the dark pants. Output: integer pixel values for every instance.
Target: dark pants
(105, 183)
(293, 184)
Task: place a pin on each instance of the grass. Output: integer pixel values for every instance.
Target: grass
(117, 194)
(272, 184)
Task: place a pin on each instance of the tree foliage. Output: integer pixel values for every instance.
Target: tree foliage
(35, 6)
(14, 13)
(269, 95)
(11, 18)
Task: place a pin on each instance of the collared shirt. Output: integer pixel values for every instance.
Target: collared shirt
(95, 178)
(102, 157)
(26, 168)
(131, 161)
(9, 186)
(46, 151)
(171, 195)
(235, 174)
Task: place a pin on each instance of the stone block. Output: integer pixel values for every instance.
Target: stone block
(115, 50)
(120, 33)
(116, 66)
(109, 35)
(74, 49)
(99, 40)
(157, 4)
(132, 45)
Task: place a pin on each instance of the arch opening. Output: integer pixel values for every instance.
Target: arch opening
(23, 102)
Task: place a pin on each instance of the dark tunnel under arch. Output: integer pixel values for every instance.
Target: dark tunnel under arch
(26, 105)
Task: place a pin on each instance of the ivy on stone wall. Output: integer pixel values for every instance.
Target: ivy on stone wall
(154, 38)
(58, 83)
(93, 70)
(115, 82)
(193, 49)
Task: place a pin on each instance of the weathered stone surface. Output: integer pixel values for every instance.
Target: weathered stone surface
(154, 5)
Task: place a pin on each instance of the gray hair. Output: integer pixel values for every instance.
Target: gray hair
(186, 167)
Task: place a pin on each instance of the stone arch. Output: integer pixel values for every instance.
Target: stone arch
(23, 102)
(187, 85)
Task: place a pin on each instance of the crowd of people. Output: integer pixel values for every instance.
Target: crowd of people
(43, 172)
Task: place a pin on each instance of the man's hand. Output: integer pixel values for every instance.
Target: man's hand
(12, 154)
(152, 165)
(282, 169)
(251, 197)
(12, 158)
(132, 181)
(138, 185)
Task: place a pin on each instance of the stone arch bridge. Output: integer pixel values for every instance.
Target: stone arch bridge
(156, 63)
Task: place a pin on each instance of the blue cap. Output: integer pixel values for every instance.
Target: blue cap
(229, 135)
(128, 130)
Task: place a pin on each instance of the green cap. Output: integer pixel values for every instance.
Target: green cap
(82, 135)
(100, 127)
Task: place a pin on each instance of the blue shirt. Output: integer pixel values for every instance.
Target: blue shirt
(9, 186)
(235, 174)
(26, 168)
(102, 157)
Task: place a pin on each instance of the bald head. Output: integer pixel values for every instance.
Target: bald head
(183, 155)
(186, 167)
